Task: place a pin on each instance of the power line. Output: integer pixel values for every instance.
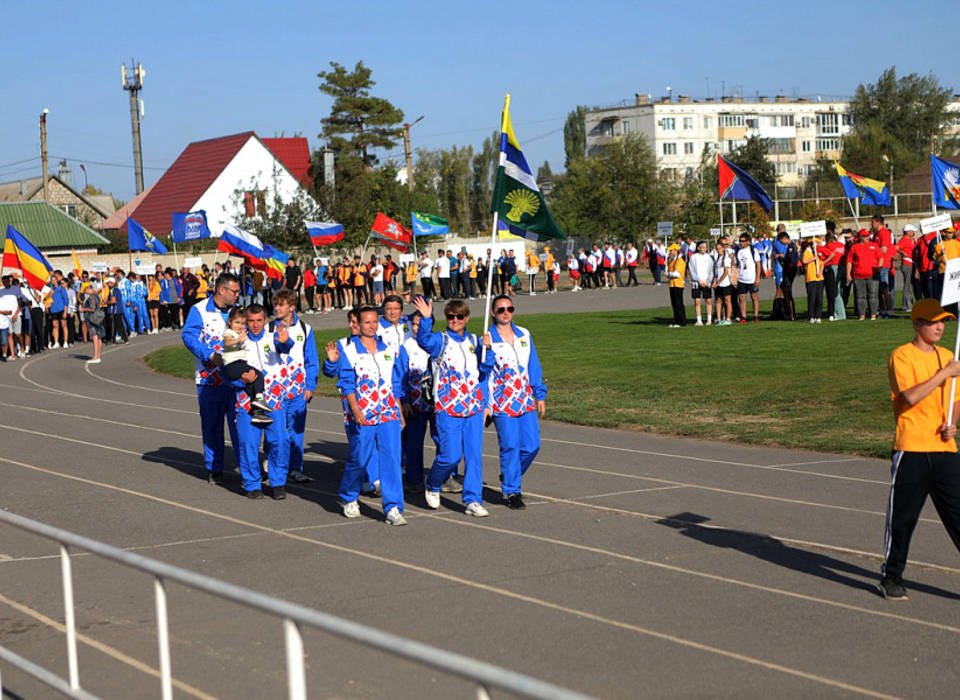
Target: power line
(18, 162)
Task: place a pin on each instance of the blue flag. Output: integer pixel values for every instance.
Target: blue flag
(736, 184)
(946, 183)
(428, 224)
(191, 226)
(139, 238)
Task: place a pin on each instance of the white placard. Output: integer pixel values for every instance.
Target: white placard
(716, 232)
(147, 269)
(99, 267)
(570, 244)
(811, 229)
(951, 282)
(664, 229)
(935, 223)
(193, 263)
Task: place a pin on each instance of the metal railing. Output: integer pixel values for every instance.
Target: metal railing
(486, 676)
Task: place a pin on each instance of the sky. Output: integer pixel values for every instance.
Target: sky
(219, 68)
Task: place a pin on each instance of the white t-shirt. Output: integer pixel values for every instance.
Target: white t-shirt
(426, 267)
(443, 267)
(8, 302)
(721, 262)
(376, 273)
(747, 259)
(701, 269)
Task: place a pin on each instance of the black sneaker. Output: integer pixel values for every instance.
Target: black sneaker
(254, 494)
(215, 478)
(260, 404)
(300, 478)
(258, 418)
(515, 502)
(892, 588)
(279, 493)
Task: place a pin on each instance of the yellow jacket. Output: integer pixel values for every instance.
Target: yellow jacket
(678, 265)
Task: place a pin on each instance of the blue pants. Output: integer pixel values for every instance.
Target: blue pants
(381, 444)
(459, 438)
(296, 424)
(143, 319)
(412, 439)
(276, 446)
(129, 317)
(216, 404)
(519, 444)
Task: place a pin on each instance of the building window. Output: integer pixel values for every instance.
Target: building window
(688, 148)
(670, 173)
(779, 145)
(828, 144)
(688, 173)
(687, 123)
(70, 209)
(669, 149)
(805, 122)
(805, 146)
(781, 120)
(848, 120)
(625, 127)
(708, 122)
(828, 124)
(669, 124)
(731, 120)
(752, 121)
(255, 204)
(788, 168)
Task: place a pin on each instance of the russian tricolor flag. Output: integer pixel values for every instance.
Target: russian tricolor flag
(324, 232)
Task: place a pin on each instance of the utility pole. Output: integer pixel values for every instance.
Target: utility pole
(408, 152)
(43, 148)
(133, 82)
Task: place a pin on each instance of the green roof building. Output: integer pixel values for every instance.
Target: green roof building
(50, 229)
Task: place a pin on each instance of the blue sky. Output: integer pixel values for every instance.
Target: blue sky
(217, 68)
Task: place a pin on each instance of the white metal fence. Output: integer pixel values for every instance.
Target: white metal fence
(294, 617)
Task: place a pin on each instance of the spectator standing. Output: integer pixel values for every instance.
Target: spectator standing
(813, 274)
(676, 270)
(93, 318)
(508, 270)
(442, 266)
(722, 284)
(425, 267)
(293, 279)
(908, 281)
(830, 253)
(748, 269)
(309, 287)
(376, 277)
(701, 281)
(548, 264)
(630, 259)
(533, 268)
(190, 285)
(863, 268)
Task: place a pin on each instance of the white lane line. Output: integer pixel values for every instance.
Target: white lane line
(821, 461)
(626, 493)
(103, 648)
(488, 588)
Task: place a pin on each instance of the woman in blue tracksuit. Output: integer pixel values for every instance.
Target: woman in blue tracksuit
(372, 388)
(417, 408)
(459, 376)
(517, 396)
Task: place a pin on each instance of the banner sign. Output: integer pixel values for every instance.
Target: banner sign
(193, 263)
(99, 267)
(935, 223)
(190, 226)
(715, 232)
(145, 269)
(812, 229)
(951, 282)
(664, 229)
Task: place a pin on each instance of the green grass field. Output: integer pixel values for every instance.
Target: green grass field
(820, 387)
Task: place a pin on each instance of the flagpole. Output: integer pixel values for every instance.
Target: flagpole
(721, 216)
(856, 218)
(953, 382)
(493, 233)
(176, 259)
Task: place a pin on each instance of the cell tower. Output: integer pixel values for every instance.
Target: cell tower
(132, 79)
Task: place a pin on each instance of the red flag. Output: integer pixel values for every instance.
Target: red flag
(390, 244)
(390, 230)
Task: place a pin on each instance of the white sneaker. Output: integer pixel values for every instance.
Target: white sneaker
(133, 334)
(395, 517)
(93, 362)
(477, 510)
(67, 346)
(433, 498)
(351, 509)
(813, 320)
(698, 323)
(819, 320)
(709, 321)
(832, 318)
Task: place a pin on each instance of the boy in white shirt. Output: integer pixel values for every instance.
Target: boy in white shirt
(701, 276)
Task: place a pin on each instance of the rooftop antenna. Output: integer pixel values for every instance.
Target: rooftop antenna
(132, 81)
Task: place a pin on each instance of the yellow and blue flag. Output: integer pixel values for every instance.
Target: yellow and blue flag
(139, 238)
(21, 254)
(863, 188)
(946, 183)
(516, 197)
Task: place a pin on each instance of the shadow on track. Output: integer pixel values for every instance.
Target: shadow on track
(776, 552)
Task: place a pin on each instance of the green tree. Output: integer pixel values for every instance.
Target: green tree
(894, 117)
(575, 135)
(751, 157)
(358, 122)
(695, 207)
(456, 181)
(484, 171)
(616, 194)
(543, 172)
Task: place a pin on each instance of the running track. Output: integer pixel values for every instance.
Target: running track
(643, 567)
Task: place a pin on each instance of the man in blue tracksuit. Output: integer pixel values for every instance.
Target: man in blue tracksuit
(203, 336)
(267, 352)
(129, 304)
(301, 380)
(139, 291)
(459, 377)
(417, 407)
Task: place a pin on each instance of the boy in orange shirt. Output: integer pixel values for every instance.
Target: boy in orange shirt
(925, 459)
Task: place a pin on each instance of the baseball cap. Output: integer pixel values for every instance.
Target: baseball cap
(909, 227)
(929, 310)
(863, 232)
(110, 280)
(673, 246)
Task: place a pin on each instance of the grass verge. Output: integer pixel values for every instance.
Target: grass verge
(820, 387)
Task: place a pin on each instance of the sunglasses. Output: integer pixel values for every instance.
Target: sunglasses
(459, 317)
(504, 309)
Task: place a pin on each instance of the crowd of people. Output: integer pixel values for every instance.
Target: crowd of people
(867, 265)
(256, 371)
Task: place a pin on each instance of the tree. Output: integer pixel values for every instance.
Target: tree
(696, 207)
(485, 163)
(575, 136)
(754, 218)
(894, 117)
(456, 179)
(274, 221)
(617, 194)
(543, 172)
(369, 122)
(751, 157)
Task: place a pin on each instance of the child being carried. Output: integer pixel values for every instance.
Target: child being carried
(235, 365)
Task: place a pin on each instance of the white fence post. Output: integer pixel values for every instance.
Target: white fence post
(68, 618)
(163, 639)
(296, 677)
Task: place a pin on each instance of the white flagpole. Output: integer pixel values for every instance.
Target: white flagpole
(953, 382)
(721, 217)
(493, 237)
(176, 259)
(856, 218)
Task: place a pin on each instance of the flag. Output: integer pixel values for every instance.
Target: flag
(324, 232)
(247, 246)
(391, 244)
(516, 197)
(736, 184)
(76, 263)
(139, 238)
(946, 183)
(504, 230)
(863, 188)
(428, 224)
(191, 226)
(20, 254)
(386, 228)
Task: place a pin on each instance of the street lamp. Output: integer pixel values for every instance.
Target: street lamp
(407, 151)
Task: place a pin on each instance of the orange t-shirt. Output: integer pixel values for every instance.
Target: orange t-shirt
(917, 426)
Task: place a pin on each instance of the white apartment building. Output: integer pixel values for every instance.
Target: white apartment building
(799, 131)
